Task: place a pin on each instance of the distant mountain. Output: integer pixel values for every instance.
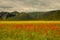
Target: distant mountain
(5, 15)
(21, 16)
(36, 15)
(45, 16)
(52, 15)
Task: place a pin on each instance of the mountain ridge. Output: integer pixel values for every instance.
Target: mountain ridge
(46, 16)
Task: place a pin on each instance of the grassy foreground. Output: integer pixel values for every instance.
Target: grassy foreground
(29, 30)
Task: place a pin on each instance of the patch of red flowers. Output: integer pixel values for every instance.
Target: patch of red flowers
(49, 26)
(41, 26)
(1, 26)
(18, 26)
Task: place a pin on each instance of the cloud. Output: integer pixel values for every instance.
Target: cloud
(4, 7)
(29, 5)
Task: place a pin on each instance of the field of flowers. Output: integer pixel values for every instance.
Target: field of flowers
(30, 31)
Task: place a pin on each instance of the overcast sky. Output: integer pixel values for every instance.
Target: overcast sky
(29, 5)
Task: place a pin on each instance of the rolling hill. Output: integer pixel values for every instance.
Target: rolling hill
(52, 15)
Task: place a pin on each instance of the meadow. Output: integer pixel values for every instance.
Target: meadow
(30, 30)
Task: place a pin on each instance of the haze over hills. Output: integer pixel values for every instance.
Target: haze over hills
(18, 16)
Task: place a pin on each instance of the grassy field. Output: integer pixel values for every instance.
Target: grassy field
(29, 30)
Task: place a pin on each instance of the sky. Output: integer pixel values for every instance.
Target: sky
(29, 5)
